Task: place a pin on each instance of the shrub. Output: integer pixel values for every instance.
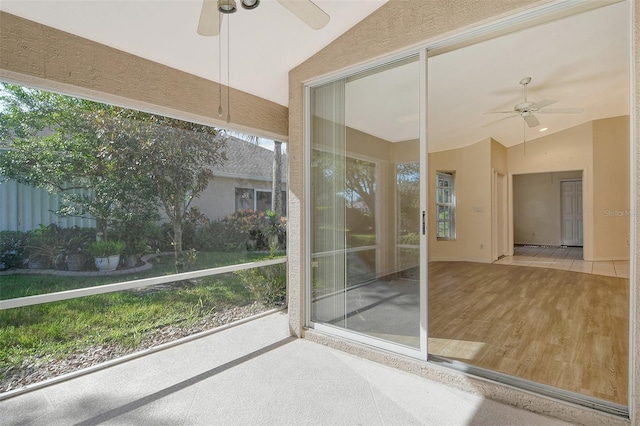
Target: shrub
(106, 248)
(256, 230)
(49, 245)
(268, 283)
(13, 247)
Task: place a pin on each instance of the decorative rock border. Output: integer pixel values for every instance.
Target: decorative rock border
(60, 272)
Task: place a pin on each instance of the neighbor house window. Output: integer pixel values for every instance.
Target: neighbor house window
(445, 206)
(244, 199)
(257, 199)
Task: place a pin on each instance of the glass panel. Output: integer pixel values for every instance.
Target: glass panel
(365, 205)
(509, 294)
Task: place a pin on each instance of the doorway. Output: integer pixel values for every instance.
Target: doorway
(500, 217)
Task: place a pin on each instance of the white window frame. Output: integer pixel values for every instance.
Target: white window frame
(450, 222)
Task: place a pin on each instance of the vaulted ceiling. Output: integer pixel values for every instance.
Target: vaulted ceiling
(580, 61)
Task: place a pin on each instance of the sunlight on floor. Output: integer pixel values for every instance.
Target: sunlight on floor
(452, 348)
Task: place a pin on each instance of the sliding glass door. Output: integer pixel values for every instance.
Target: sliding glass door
(365, 207)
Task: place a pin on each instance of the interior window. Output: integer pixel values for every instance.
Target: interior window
(445, 205)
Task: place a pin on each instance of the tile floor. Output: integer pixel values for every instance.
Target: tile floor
(565, 258)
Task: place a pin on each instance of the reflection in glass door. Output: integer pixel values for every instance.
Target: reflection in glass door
(365, 211)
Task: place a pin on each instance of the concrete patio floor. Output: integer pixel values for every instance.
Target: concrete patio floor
(255, 373)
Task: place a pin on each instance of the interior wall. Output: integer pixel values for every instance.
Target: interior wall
(611, 201)
(36, 55)
(472, 167)
(537, 207)
(499, 157)
(499, 201)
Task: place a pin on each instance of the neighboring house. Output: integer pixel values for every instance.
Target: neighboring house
(244, 182)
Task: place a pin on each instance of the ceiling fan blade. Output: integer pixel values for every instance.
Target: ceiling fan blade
(542, 104)
(494, 122)
(210, 19)
(561, 110)
(308, 12)
(531, 120)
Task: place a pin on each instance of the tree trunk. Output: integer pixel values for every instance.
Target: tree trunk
(276, 189)
(177, 242)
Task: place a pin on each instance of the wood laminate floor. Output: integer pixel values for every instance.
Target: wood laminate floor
(561, 328)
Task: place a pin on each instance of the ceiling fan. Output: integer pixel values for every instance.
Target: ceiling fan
(214, 10)
(526, 109)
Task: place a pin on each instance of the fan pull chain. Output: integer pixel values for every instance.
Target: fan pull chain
(219, 73)
(228, 67)
(524, 138)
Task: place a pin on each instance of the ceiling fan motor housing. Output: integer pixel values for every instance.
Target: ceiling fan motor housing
(524, 107)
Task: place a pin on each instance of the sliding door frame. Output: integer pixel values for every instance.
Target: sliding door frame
(526, 19)
(422, 352)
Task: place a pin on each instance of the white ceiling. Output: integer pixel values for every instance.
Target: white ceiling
(582, 61)
(265, 43)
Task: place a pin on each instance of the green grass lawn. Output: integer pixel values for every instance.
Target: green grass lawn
(56, 330)
(12, 286)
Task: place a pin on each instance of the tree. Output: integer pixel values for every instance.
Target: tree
(55, 144)
(276, 183)
(175, 157)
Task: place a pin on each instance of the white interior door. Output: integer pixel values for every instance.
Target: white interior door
(571, 193)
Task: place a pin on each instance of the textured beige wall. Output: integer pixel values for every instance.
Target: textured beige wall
(611, 202)
(472, 167)
(390, 30)
(499, 157)
(43, 56)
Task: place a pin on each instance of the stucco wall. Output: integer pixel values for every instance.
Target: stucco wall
(219, 198)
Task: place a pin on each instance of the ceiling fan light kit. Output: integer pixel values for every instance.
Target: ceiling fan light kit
(227, 6)
(213, 10)
(250, 4)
